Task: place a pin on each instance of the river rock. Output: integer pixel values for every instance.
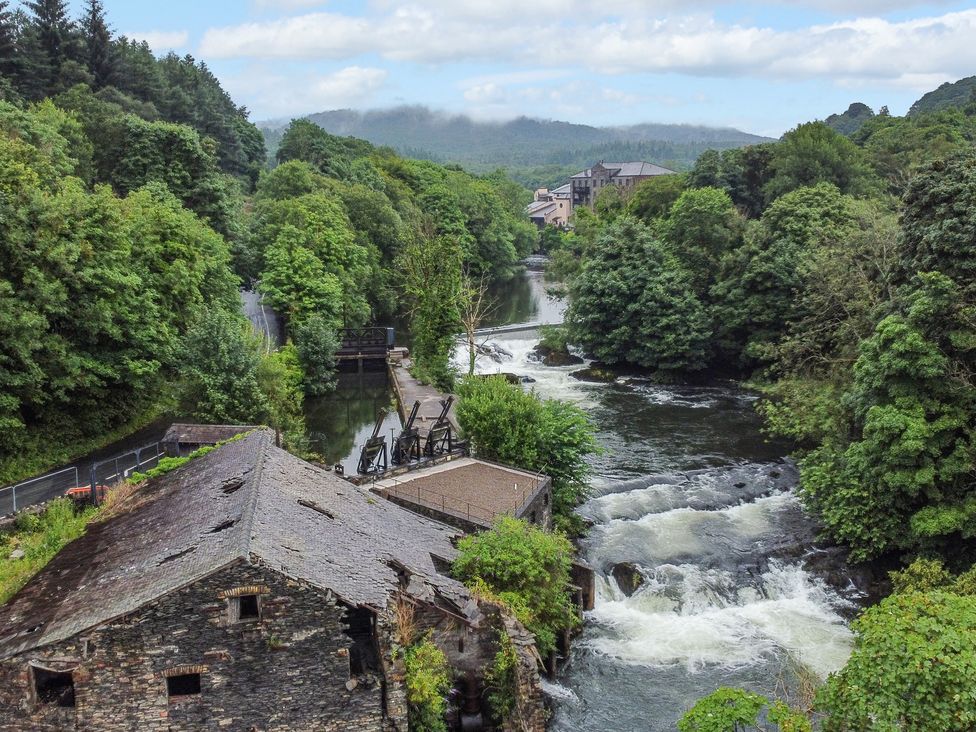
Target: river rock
(595, 374)
(628, 576)
(552, 357)
(495, 352)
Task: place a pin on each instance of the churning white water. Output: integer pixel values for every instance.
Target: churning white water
(690, 496)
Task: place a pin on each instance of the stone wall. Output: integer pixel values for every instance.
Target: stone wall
(288, 670)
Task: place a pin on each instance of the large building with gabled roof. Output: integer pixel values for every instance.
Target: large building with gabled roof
(247, 590)
(586, 185)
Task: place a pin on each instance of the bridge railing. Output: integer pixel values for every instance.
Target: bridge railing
(365, 340)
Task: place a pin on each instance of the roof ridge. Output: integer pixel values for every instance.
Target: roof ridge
(247, 518)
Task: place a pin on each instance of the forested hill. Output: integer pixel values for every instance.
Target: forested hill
(533, 151)
(947, 96)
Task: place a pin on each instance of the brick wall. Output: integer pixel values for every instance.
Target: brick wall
(287, 671)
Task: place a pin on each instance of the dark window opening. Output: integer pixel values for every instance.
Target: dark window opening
(363, 654)
(183, 685)
(545, 500)
(533, 518)
(54, 687)
(461, 644)
(247, 607)
(441, 565)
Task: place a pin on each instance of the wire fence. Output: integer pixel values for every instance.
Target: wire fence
(451, 505)
(37, 490)
(108, 472)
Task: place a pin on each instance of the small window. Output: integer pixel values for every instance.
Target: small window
(461, 644)
(183, 685)
(545, 500)
(533, 519)
(56, 688)
(248, 607)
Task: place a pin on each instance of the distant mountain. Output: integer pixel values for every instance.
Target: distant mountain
(956, 94)
(852, 120)
(533, 150)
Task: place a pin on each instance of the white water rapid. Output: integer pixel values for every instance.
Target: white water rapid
(688, 492)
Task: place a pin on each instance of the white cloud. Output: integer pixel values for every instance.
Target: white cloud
(347, 86)
(280, 95)
(490, 93)
(891, 52)
(160, 41)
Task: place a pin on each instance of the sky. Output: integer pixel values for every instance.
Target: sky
(762, 67)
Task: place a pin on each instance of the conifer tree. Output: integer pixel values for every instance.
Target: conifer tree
(98, 43)
(8, 42)
(46, 49)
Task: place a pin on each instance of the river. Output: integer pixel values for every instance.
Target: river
(688, 490)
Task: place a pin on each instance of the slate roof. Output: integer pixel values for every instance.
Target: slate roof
(563, 190)
(203, 434)
(249, 501)
(636, 168)
(542, 208)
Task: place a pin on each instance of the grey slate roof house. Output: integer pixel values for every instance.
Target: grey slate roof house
(248, 590)
(587, 184)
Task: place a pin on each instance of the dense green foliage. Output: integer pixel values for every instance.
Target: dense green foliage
(913, 667)
(93, 313)
(43, 53)
(120, 188)
(507, 424)
(736, 710)
(428, 680)
(634, 303)
(527, 569)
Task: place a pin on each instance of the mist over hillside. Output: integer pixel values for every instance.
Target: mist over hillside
(533, 151)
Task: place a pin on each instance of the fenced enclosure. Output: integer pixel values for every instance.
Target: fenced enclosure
(108, 472)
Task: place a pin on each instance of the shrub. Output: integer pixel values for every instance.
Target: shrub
(737, 710)
(428, 682)
(526, 568)
(913, 667)
(509, 425)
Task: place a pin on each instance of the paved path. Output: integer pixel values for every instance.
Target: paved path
(409, 390)
(263, 318)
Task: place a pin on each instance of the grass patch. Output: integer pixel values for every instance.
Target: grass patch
(40, 537)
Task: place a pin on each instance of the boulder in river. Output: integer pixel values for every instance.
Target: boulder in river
(554, 357)
(628, 576)
(595, 374)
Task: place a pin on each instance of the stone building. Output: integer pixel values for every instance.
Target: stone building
(587, 184)
(551, 208)
(248, 590)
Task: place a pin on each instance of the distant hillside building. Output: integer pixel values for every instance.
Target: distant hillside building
(587, 184)
(551, 208)
(247, 590)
